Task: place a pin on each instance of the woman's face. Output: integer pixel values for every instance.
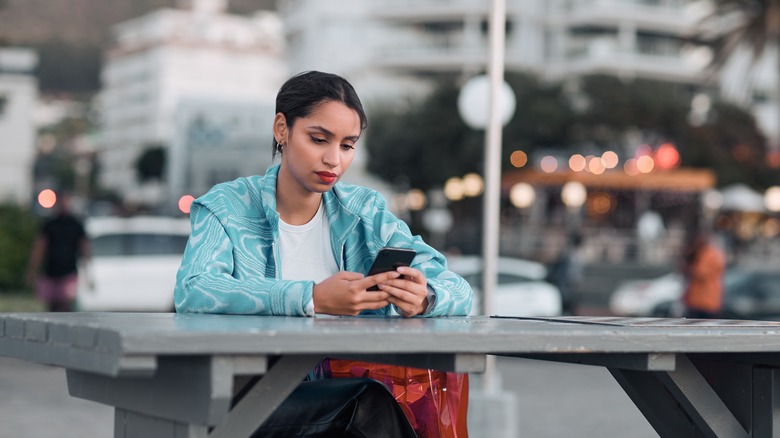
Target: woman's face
(319, 148)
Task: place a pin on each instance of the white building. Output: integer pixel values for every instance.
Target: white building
(18, 97)
(168, 57)
(559, 38)
(388, 48)
(218, 140)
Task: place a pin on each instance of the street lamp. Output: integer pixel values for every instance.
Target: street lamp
(497, 101)
(488, 102)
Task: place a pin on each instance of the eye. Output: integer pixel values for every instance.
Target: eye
(347, 147)
(318, 140)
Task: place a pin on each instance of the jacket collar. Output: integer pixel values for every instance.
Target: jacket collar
(342, 220)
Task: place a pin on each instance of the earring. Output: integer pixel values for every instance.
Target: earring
(279, 147)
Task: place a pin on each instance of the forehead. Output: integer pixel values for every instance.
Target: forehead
(334, 116)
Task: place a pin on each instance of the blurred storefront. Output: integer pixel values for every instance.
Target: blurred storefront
(622, 217)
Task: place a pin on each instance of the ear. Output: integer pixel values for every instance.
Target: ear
(280, 128)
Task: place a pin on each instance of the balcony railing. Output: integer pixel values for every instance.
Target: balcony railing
(673, 16)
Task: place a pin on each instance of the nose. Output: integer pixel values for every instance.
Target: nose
(331, 156)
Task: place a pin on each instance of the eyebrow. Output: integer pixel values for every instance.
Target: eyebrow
(326, 132)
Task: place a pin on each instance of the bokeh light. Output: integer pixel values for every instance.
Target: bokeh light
(772, 198)
(453, 189)
(518, 159)
(596, 166)
(472, 184)
(549, 164)
(416, 199)
(185, 203)
(574, 194)
(667, 157)
(610, 159)
(522, 195)
(600, 203)
(645, 164)
(577, 163)
(47, 198)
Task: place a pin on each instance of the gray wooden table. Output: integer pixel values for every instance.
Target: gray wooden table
(195, 375)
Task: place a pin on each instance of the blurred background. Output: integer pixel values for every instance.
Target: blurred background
(635, 122)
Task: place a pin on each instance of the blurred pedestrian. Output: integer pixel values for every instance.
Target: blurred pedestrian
(566, 273)
(702, 268)
(53, 266)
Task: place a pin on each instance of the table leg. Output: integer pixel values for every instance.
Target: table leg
(260, 402)
(766, 402)
(707, 399)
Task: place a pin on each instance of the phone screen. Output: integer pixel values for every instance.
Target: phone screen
(389, 259)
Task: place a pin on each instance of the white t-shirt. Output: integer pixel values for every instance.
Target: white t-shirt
(306, 252)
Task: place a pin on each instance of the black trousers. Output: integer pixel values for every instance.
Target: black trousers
(338, 408)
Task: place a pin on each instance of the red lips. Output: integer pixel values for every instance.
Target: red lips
(327, 177)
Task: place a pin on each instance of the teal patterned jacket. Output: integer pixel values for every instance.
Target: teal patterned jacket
(230, 264)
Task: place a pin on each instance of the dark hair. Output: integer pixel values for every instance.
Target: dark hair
(302, 93)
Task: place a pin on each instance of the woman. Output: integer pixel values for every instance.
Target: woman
(296, 241)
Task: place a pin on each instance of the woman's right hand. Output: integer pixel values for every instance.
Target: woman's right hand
(345, 293)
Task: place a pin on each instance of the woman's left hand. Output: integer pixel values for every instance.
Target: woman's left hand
(410, 293)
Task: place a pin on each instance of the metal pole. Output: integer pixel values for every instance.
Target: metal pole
(492, 196)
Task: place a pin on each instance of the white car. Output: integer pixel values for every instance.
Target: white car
(640, 297)
(520, 290)
(134, 263)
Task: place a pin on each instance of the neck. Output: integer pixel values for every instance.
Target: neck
(295, 205)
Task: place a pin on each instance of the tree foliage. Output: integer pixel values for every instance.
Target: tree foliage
(151, 163)
(427, 142)
(17, 233)
(753, 23)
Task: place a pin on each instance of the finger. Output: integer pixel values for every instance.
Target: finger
(402, 294)
(404, 309)
(413, 274)
(375, 305)
(406, 285)
(374, 297)
(378, 278)
(351, 276)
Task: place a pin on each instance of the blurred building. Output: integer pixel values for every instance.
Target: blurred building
(168, 58)
(18, 97)
(205, 129)
(409, 40)
(392, 48)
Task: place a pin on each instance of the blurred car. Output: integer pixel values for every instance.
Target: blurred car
(520, 290)
(134, 263)
(748, 294)
(641, 297)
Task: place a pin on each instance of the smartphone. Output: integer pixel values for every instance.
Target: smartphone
(389, 259)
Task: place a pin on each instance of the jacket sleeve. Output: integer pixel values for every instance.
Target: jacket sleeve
(205, 282)
(452, 294)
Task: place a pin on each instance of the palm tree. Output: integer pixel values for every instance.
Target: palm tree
(750, 24)
(754, 24)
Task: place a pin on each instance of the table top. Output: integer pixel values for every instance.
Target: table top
(182, 334)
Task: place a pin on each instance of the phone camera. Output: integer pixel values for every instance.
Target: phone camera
(385, 253)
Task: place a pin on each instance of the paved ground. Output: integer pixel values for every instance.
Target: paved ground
(552, 400)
